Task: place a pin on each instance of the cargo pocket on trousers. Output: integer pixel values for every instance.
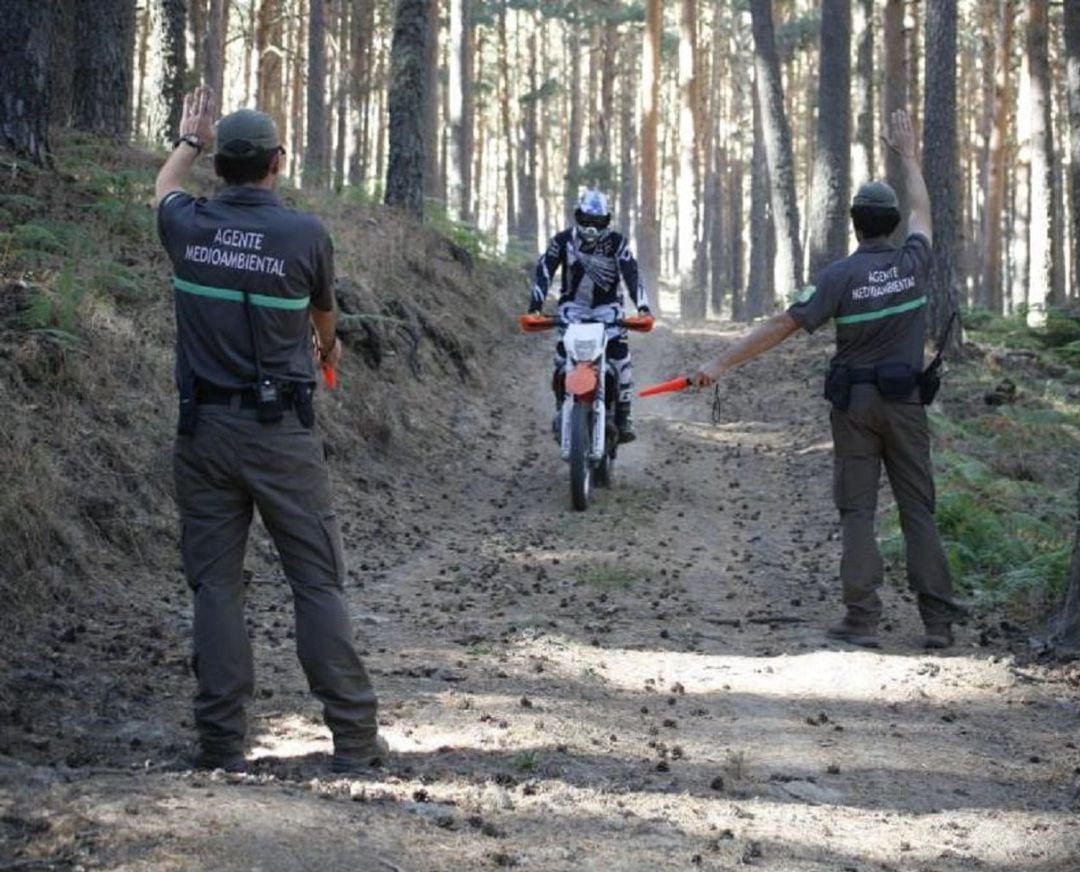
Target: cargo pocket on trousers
(329, 525)
(855, 482)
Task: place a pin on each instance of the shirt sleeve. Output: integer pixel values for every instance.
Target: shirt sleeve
(916, 257)
(322, 294)
(815, 306)
(545, 268)
(176, 209)
(631, 276)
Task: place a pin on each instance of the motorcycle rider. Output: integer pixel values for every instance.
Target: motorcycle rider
(596, 266)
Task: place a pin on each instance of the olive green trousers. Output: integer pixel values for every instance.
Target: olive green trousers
(231, 465)
(873, 432)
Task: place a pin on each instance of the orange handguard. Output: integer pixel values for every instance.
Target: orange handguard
(640, 323)
(533, 323)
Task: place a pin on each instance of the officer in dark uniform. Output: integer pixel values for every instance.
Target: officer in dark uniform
(251, 278)
(876, 383)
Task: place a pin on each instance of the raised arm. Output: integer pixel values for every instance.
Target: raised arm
(901, 139)
(197, 131)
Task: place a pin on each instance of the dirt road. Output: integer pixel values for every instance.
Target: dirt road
(642, 686)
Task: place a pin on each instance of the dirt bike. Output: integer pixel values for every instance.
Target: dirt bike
(588, 437)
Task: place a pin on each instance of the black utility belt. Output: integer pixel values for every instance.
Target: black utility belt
(245, 398)
(894, 381)
(270, 399)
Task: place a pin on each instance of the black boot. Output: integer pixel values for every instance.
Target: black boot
(624, 422)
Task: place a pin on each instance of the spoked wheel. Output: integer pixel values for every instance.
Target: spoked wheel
(580, 445)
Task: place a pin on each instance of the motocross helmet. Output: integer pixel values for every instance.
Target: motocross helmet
(592, 215)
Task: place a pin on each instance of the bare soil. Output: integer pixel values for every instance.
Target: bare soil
(645, 685)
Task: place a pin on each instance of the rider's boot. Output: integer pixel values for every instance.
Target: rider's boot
(624, 422)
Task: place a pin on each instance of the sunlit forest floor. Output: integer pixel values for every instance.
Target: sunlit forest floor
(645, 685)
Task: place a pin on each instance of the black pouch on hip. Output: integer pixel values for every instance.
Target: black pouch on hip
(838, 387)
(268, 406)
(895, 381)
(303, 396)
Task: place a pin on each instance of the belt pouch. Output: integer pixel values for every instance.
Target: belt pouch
(838, 387)
(268, 406)
(305, 408)
(895, 381)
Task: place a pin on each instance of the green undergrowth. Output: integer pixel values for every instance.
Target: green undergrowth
(1006, 474)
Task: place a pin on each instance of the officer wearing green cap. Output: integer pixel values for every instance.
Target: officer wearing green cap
(252, 280)
(877, 386)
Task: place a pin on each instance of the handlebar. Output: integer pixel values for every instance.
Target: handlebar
(533, 323)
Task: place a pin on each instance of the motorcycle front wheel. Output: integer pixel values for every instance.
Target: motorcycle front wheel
(580, 444)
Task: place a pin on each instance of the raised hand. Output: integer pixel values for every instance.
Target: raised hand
(200, 112)
(901, 136)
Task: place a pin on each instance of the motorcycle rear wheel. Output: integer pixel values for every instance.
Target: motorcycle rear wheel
(580, 445)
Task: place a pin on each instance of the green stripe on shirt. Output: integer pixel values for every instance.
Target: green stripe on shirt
(882, 313)
(292, 303)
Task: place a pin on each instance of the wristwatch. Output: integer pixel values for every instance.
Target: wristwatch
(189, 139)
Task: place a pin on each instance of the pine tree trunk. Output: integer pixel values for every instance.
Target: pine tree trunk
(940, 160)
(455, 87)
(1072, 81)
(61, 55)
(214, 48)
(693, 302)
(468, 111)
(317, 152)
(627, 136)
(757, 288)
(174, 66)
(831, 194)
(1043, 202)
(24, 79)
(649, 233)
(788, 270)
(530, 217)
(895, 96)
(405, 170)
(990, 292)
(298, 68)
(104, 56)
(914, 87)
(506, 86)
(606, 115)
(270, 46)
(342, 78)
(864, 164)
(143, 28)
(360, 36)
(432, 189)
(573, 139)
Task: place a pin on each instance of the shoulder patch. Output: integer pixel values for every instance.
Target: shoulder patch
(804, 294)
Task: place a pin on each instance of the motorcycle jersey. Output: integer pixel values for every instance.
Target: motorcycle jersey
(590, 278)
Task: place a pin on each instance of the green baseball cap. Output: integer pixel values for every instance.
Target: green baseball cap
(878, 194)
(244, 132)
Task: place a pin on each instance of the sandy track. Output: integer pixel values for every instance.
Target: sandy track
(645, 685)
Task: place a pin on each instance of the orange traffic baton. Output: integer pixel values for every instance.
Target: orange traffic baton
(675, 384)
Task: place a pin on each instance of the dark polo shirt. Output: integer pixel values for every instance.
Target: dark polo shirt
(878, 298)
(244, 239)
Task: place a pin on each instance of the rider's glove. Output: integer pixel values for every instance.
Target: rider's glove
(643, 310)
(534, 309)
